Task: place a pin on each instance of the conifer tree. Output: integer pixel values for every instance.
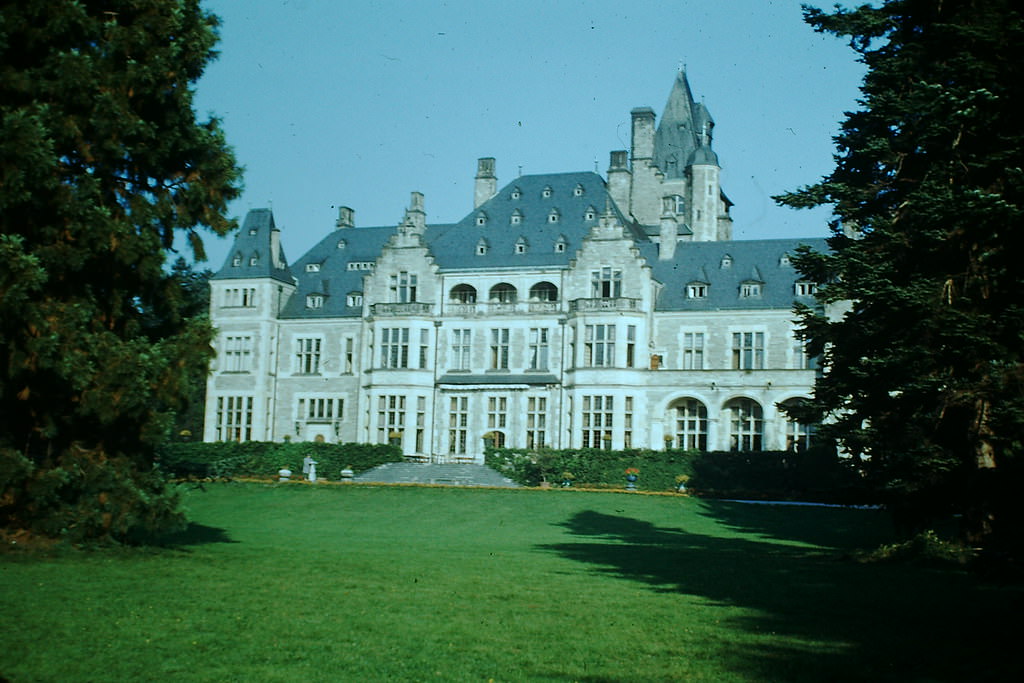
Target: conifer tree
(923, 379)
(103, 163)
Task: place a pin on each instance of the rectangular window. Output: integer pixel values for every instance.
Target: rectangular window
(320, 409)
(237, 354)
(421, 421)
(538, 348)
(307, 355)
(630, 345)
(627, 423)
(461, 345)
(801, 359)
(606, 283)
(499, 349)
(390, 418)
(748, 350)
(597, 421)
(458, 425)
(349, 355)
(403, 287)
(394, 347)
(599, 346)
(424, 348)
(497, 412)
(240, 296)
(234, 418)
(693, 351)
(536, 421)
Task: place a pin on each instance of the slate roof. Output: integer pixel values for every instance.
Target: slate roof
(332, 277)
(252, 254)
(571, 195)
(751, 261)
(677, 141)
(337, 260)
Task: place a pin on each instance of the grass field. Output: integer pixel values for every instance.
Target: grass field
(355, 583)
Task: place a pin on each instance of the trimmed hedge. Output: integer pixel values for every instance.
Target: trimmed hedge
(817, 475)
(263, 459)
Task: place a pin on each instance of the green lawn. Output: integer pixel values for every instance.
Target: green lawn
(325, 583)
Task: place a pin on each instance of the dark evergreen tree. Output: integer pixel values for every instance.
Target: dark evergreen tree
(922, 353)
(102, 164)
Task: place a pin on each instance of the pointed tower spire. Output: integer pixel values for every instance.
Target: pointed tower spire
(679, 131)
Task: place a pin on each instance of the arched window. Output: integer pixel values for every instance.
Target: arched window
(798, 435)
(746, 425)
(463, 294)
(544, 291)
(503, 293)
(690, 422)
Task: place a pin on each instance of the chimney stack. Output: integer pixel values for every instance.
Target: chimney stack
(346, 218)
(486, 182)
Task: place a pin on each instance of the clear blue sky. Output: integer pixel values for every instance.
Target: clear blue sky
(358, 103)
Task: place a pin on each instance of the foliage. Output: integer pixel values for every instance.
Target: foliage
(923, 326)
(814, 475)
(226, 459)
(102, 165)
(925, 548)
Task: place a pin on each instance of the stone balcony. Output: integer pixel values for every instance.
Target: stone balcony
(411, 308)
(487, 309)
(599, 305)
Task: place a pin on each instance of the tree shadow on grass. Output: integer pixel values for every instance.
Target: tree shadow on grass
(812, 615)
(193, 535)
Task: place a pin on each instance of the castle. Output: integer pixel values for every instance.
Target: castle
(565, 310)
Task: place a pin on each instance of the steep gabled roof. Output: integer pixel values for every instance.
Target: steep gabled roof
(576, 200)
(256, 252)
(334, 268)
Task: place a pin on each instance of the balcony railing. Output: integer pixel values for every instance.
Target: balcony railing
(482, 309)
(408, 308)
(592, 305)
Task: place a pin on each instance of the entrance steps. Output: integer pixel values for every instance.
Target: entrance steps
(432, 473)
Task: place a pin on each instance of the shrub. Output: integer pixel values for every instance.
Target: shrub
(263, 459)
(814, 475)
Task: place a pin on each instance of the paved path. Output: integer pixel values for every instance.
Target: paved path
(424, 473)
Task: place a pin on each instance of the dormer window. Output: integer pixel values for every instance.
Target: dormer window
(554, 216)
(546, 192)
(254, 260)
(354, 299)
(481, 218)
(577, 191)
(236, 261)
(560, 245)
(784, 260)
(342, 244)
(590, 214)
(750, 290)
(481, 247)
(314, 301)
(521, 245)
(516, 193)
(252, 232)
(726, 262)
(805, 289)
(516, 218)
(697, 290)
(312, 267)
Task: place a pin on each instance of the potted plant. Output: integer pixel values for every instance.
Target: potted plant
(632, 474)
(681, 481)
(567, 478)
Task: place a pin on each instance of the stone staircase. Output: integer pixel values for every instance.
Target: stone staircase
(430, 473)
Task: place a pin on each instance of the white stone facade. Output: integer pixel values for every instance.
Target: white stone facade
(564, 311)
